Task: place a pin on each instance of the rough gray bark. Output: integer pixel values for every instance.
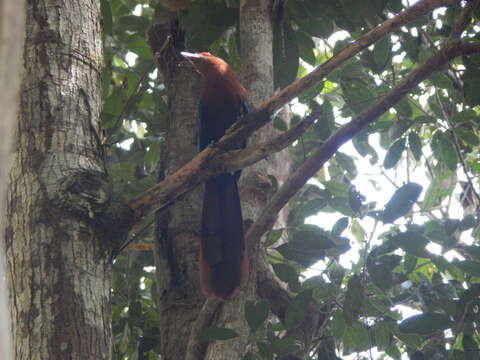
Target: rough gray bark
(58, 268)
(177, 238)
(12, 23)
(256, 33)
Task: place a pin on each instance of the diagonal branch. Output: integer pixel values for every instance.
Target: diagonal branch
(195, 348)
(364, 41)
(268, 286)
(239, 159)
(308, 169)
(199, 168)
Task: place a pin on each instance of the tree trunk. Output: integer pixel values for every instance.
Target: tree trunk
(12, 24)
(178, 236)
(256, 37)
(257, 56)
(58, 266)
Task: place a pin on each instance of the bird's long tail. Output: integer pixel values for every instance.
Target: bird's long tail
(223, 257)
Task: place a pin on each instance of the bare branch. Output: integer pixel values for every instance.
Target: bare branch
(195, 348)
(270, 288)
(238, 159)
(268, 285)
(198, 169)
(308, 169)
(364, 41)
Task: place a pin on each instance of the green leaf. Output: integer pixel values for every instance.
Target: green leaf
(337, 324)
(411, 45)
(415, 145)
(273, 236)
(313, 27)
(442, 233)
(382, 52)
(471, 79)
(357, 95)
(401, 202)
(448, 153)
(285, 273)
(216, 333)
(361, 13)
(306, 47)
(424, 324)
(205, 22)
(285, 54)
(394, 154)
(395, 5)
(467, 136)
(355, 339)
(306, 98)
(306, 245)
(297, 309)
(403, 108)
(114, 103)
(106, 16)
(132, 23)
(441, 80)
(411, 340)
(467, 222)
(439, 188)
(357, 231)
(310, 17)
(380, 269)
(382, 334)
(469, 266)
(412, 242)
(355, 199)
(256, 313)
(336, 188)
(148, 343)
(465, 116)
(393, 351)
(470, 347)
(138, 45)
(135, 310)
(265, 350)
(347, 163)
(353, 299)
(339, 226)
(283, 346)
(473, 251)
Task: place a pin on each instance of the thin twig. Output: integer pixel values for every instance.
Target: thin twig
(456, 145)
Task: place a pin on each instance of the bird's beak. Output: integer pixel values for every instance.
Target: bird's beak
(191, 58)
(190, 55)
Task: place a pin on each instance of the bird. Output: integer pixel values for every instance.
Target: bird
(223, 265)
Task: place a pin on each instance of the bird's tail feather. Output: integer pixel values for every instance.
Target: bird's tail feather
(223, 257)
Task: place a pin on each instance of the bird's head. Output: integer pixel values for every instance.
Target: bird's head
(206, 63)
(220, 81)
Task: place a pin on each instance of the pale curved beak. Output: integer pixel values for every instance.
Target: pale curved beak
(190, 55)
